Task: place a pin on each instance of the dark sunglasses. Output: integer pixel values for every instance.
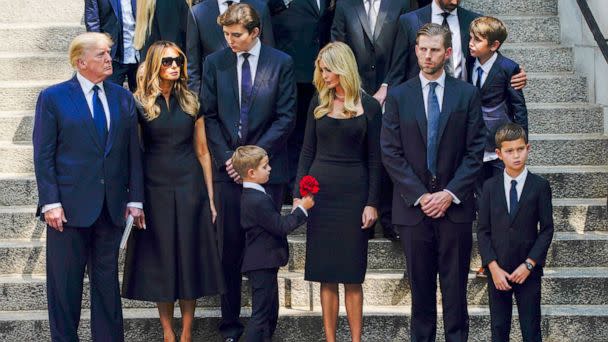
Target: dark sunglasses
(168, 61)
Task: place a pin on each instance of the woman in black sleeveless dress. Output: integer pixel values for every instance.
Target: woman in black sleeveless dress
(342, 151)
(176, 256)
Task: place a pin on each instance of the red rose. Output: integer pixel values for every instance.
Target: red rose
(308, 186)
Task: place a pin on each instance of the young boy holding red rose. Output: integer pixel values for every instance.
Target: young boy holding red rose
(266, 246)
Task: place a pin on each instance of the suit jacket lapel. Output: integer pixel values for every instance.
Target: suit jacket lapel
(134, 8)
(524, 195)
(360, 9)
(261, 73)
(115, 7)
(500, 192)
(82, 110)
(114, 106)
(493, 72)
(418, 106)
(449, 95)
(425, 15)
(464, 33)
(217, 29)
(384, 7)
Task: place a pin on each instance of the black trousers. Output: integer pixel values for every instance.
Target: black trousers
(265, 305)
(386, 202)
(527, 296)
(305, 92)
(67, 255)
(232, 243)
(122, 71)
(438, 246)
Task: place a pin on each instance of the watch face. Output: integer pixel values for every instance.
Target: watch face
(529, 266)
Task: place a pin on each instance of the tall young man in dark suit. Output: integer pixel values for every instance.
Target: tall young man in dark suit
(432, 143)
(205, 35)
(514, 233)
(369, 28)
(116, 18)
(88, 166)
(249, 99)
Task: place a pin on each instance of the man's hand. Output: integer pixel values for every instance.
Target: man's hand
(232, 173)
(55, 218)
(520, 274)
(436, 204)
(520, 80)
(380, 95)
(369, 216)
(499, 276)
(307, 202)
(139, 219)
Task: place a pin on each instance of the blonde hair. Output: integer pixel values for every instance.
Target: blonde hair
(246, 158)
(489, 28)
(143, 22)
(240, 14)
(340, 60)
(148, 82)
(85, 42)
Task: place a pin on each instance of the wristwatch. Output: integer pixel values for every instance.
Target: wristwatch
(529, 265)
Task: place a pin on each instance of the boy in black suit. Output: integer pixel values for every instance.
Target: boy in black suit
(266, 246)
(513, 204)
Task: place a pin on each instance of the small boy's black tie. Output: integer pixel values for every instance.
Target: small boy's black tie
(513, 203)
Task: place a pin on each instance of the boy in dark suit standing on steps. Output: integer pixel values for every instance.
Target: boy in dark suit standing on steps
(266, 246)
(515, 228)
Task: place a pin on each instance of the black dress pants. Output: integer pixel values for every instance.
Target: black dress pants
(265, 305)
(67, 254)
(438, 246)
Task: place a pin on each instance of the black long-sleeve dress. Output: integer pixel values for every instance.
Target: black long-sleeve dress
(176, 256)
(344, 156)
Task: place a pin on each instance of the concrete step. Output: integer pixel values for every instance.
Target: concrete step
(38, 37)
(568, 149)
(560, 286)
(540, 57)
(16, 126)
(30, 11)
(27, 256)
(532, 28)
(22, 95)
(575, 181)
(563, 118)
(511, 7)
(381, 323)
(35, 66)
(555, 87)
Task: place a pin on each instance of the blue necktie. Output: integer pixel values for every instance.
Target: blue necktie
(479, 73)
(433, 114)
(99, 116)
(245, 96)
(513, 203)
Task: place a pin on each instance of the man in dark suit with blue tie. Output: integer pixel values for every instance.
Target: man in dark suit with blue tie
(88, 168)
(205, 35)
(249, 99)
(432, 146)
(116, 18)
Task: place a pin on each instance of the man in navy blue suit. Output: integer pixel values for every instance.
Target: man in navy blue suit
(116, 18)
(88, 169)
(249, 97)
(432, 146)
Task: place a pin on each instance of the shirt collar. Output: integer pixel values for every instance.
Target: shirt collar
(436, 10)
(86, 85)
(440, 81)
(519, 179)
(255, 186)
(487, 65)
(254, 51)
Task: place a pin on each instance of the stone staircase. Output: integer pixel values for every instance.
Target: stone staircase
(569, 148)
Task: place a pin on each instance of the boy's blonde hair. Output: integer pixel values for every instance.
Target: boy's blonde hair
(247, 157)
(510, 132)
(489, 28)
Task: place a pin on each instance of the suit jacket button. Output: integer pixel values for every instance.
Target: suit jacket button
(373, 67)
(102, 181)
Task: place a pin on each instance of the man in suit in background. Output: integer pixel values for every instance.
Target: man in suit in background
(205, 35)
(432, 144)
(301, 28)
(116, 18)
(249, 99)
(88, 166)
(369, 28)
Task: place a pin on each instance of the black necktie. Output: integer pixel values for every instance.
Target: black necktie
(479, 73)
(445, 16)
(99, 116)
(246, 86)
(449, 64)
(513, 202)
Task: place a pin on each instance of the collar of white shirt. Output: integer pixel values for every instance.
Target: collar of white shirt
(440, 81)
(255, 186)
(436, 10)
(87, 85)
(254, 51)
(520, 179)
(487, 65)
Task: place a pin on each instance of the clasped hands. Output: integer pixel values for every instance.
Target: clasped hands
(501, 278)
(434, 205)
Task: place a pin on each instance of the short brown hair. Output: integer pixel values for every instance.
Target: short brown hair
(240, 14)
(432, 30)
(246, 158)
(489, 28)
(509, 132)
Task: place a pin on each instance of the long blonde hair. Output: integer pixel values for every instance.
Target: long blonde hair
(148, 82)
(143, 22)
(340, 60)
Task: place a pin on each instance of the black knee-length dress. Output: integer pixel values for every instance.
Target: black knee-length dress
(176, 256)
(344, 156)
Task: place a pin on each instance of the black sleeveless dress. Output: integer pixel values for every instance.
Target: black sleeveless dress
(176, 256)
(344, 156)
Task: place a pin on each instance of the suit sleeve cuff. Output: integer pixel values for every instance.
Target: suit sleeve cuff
(137, 205)
(48, 207)
(454, 198)
(418, 200)
(304, 210)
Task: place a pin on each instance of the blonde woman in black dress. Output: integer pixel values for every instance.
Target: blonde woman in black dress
(342, 151)
(176, 256)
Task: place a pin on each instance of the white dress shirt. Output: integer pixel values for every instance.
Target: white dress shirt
(256, 186)
(130, 56)
(224, 6)
(253, 63)
(487, 156)
(87, 89)
(521, 180)
(457, 53)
